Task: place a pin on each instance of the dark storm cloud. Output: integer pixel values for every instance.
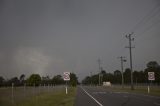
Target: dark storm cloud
(50, 37)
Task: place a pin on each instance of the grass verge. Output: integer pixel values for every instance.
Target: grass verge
(58, 98)
(154, 91)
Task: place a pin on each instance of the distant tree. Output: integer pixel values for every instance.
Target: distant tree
(95, 79)
(1, 81)
(108, 77)
(117, 72)
(103, 72)
(34, 79)
(14, 80)
(102, 75)
(57, 80)
(87, 80)
(117, 77)
(127, 76)
(73, 79)
(46, 80)
(22, 80)
(153, 66)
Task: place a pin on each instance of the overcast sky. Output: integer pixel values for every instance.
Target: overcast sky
(52, 36)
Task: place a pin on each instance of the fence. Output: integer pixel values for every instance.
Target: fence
(10, 96)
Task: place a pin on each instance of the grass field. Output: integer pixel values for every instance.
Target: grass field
(38, 97)
(154, 90)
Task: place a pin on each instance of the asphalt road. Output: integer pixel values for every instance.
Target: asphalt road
(96, 96)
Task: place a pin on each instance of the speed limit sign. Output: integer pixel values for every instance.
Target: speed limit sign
(66, 76)
(151, 76)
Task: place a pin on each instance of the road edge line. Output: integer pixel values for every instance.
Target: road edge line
(92, 97)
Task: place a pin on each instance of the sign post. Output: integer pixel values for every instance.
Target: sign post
(66, 77)
(12, 93)
(151, 78)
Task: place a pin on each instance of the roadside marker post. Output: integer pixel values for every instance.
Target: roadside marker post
(66, 77)
(12, 93)
(151, 78)
(48, 87)
(148, 89)
(34, 87)
(24, 89)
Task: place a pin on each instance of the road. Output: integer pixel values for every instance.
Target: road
(98, 96)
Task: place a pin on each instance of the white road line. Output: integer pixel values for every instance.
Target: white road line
(138, 94)
(145, 95)
(121, 92)
(125, 96)
(92, 97)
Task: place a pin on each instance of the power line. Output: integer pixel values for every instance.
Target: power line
(148, 28)
(147, 17)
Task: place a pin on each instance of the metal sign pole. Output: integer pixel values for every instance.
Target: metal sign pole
(151, 78)
(66, 88)
(66, 77)
(149, 86)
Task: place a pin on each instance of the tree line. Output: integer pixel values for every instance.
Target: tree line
(116, 76)
(37, 80)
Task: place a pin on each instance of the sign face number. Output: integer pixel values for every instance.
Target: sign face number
(151, 76)
(66, 76)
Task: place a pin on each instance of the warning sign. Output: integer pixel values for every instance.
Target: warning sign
(151, 76)
(66, 76)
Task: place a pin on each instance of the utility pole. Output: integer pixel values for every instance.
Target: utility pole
(99, 64)
(91, 77)
(122, 59)
(101, 76)
(129, 37)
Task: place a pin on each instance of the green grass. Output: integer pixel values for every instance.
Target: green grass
(154, 91)
(58, 98)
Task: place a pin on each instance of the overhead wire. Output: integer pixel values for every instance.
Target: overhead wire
(149, 27)
(145, 20)
(147, 17)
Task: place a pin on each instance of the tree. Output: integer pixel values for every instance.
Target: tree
(86, 80)
(127, 76)
(108, 77)
(95, 79)
(1, 81)
(34, 79)
(14, 80)
(103, 72)
(73, 79)
(57, 80)
(117, 77)
(139, 77)
(153, 66)
(45, 80)
(21, 78)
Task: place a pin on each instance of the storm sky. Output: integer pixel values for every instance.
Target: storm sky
(49, 37)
